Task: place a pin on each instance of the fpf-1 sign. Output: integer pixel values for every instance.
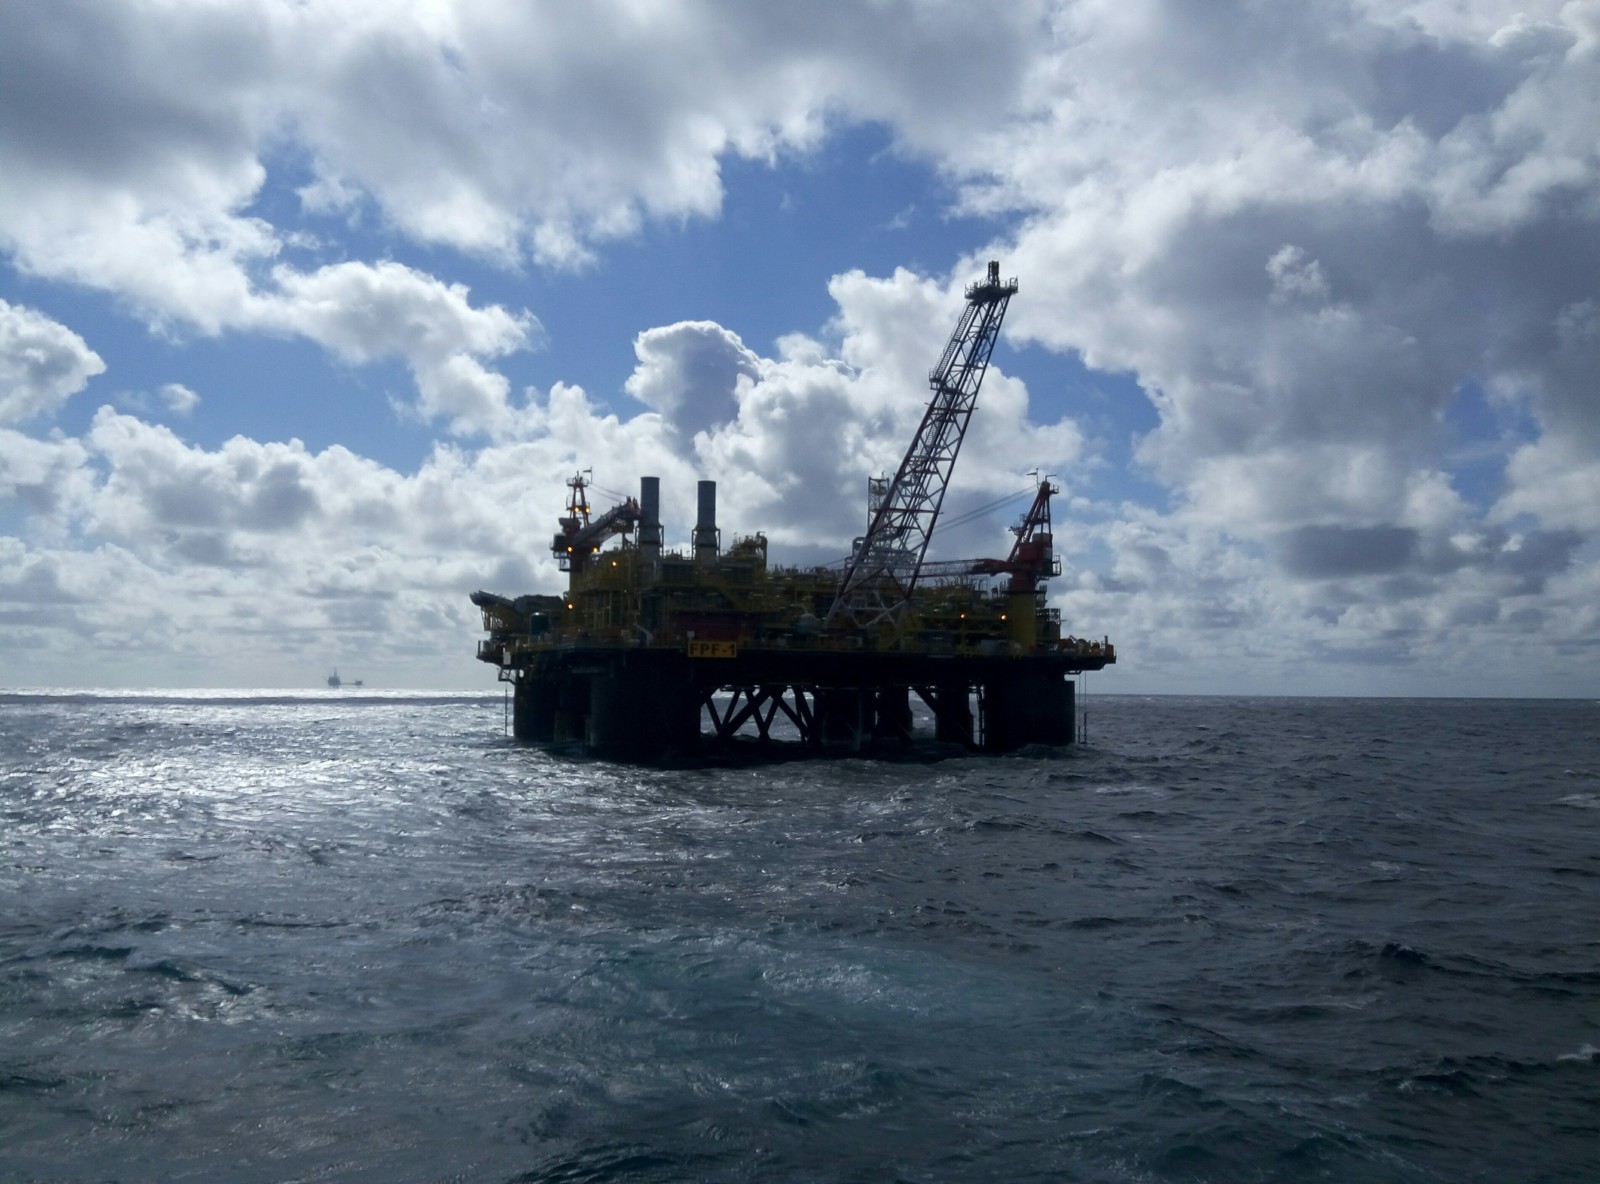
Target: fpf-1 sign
(713, 649)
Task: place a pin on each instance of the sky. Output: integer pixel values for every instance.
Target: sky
(308, 310)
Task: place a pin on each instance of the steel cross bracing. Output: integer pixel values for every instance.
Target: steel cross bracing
(880, 576)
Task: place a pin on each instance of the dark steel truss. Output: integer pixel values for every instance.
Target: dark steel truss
(882, 573)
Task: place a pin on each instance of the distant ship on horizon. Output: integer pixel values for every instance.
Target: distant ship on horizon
(335, 682)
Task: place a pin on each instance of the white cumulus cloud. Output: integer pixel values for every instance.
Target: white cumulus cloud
(42, 364)
(178, 399)
(1316, 240)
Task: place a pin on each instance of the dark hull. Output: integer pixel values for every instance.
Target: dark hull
(654, 705)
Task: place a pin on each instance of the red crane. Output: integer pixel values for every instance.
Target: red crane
(580, 538)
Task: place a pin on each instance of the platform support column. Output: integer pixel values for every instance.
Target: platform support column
(572, 708)
(1034, 709)
(952, 712)
(533, 710)
(844, 718)
(641, 714)
(892, 706)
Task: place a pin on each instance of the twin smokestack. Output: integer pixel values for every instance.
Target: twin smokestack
(707, 539)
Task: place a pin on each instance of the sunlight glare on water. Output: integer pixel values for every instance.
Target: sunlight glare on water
(269, 937)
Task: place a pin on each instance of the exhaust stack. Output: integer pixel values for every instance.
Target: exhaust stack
(707, 538)
(650, 521)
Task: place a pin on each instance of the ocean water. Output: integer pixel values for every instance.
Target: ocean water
(352, 936)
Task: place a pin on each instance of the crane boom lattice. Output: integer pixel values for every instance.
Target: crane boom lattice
(883, 571)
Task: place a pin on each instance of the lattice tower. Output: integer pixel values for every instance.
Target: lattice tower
(880, 577)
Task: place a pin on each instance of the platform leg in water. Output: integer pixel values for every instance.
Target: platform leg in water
(1033, 710)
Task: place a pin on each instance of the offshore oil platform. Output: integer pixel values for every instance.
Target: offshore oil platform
(648, 646)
